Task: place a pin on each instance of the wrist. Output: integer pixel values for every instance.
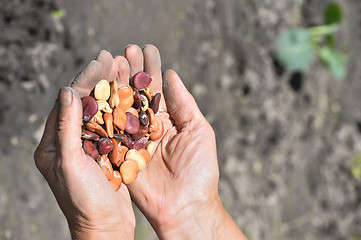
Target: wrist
(114, 229)
(198, 221)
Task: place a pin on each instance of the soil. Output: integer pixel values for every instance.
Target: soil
(285, 139)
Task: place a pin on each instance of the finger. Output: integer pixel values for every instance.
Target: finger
(134, 55)
(68, 124)
(87, 79)
(106, 60)
(152, 65)
(49, 130)
(123, 70)
(113, 72)
(47, 142)
(180, 103)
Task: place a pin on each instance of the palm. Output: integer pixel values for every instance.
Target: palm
(183, 166)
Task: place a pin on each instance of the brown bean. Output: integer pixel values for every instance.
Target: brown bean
(132, 125)
(143, 118)
(141, 80)
(105, 145)
(90, 149)
(137, 99)
(88, 135)
(90, 107)
(124, 139)
(155, 103)
(140, 143)
(142, 132)
(108, 120)
(145, 154)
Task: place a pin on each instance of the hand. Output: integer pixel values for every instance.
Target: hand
(91, 206)
(178, 190)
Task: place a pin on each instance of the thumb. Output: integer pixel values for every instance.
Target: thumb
(68, 126)
(180, 103)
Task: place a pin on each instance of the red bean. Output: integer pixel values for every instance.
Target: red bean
(90, 107)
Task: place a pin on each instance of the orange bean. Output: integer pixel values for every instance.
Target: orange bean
(160, 130)
(152, 124)
(129, 171)
(114, 155)
(145, 154)
(126, 99)
(116, 181)
(120, 118)
(106, 166)
(108, 120)
(94, 127)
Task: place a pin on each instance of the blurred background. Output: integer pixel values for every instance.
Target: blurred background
(278, 80)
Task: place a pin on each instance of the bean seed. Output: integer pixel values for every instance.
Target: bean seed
(126, 99)
(133, 154)
(129, 171)
(124, 139)
(116, 181)
(102, 90)
(96, 128)
(155, 103)
(114, 97)
(160, 129)
(90, 149)
(132, 125)
(88, 135)
(137, 99)
(119, 118)
(106, 166)
(141, 80)
(140, 143)
(145, 155)
(108, 120)
(143, 118)
(105, 145)
(90, 107)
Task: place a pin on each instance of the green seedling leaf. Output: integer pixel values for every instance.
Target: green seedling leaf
(295, 49)
(334, 60)
(333, 14)
(356, 166)
(60, 13)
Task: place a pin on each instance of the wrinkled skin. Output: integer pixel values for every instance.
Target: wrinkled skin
(91, 206)
(177, 191)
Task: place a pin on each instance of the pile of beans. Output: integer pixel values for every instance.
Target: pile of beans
(120, 127)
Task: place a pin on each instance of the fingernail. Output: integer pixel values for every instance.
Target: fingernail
(145, 46)
(101, 53)
(66, 96)
(128, 46)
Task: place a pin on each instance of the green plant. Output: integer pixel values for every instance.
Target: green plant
(356, 166)
(297, 47)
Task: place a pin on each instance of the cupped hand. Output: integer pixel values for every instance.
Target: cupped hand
(91, 206)
(178, 190)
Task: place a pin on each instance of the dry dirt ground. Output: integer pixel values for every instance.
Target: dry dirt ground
(285, 140)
